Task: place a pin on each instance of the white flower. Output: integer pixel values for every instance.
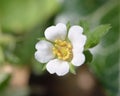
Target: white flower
(61, 48)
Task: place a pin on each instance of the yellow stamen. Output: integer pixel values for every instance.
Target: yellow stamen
(63, 50)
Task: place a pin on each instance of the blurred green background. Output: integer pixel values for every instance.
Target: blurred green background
(23, 21)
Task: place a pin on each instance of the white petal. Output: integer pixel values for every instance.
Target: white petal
(51, 67)
(43, 44)
(58, 66)
(56, 32)
(78, 59)
(77, 29)
(77, 38)
(62, 68)
(44, 51)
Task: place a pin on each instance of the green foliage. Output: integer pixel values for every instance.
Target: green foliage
(21, 15)
(105, 64)
(94, 37)
(7, 39)
(85, 26)
(2, 58)
(4, 80)
(72, 69)
(15, 91)
(25, 49)
(76, 10)
(38, 68)
(88, 56)
(7, 45)
(11, 58)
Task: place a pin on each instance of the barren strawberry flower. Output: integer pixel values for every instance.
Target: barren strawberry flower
(61, 48)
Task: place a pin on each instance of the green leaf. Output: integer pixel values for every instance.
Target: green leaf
(94, 37)
(7, 39)
(72, 69)
(42, 38)
(105, 64)
(2, 58)
(4, 79)
(26, 48)
(85, 26)
(88, 56)
(38, 68)
(21, 15)
(12, 58)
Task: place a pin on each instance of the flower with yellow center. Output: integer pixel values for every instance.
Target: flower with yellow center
(62, 50)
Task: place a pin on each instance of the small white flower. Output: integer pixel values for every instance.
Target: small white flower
(62, 50)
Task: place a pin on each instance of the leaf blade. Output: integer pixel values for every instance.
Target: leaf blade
(94, 37)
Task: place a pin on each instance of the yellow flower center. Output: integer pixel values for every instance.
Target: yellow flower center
(63, 50)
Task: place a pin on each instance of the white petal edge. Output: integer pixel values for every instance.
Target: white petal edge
(43, 44)
(76, 30)
(76, 37)
(78, 43)
(58, 66)
(44, 51)
(53, 33)
(51, 67)
(78, 59)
